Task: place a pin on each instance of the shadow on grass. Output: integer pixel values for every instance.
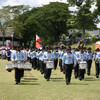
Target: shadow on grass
(29, 84)
(28, 81)
(79, 84)
(30, 78)
(90, 79)
(57, 79)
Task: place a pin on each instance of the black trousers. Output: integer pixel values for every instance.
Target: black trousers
(47, 72)
(76, 71)
(60, 64)
(37, 64)
(68, 72)
(89, 63)
(18, 75)
(55, 63)
(41, 66)
(97, 69)
(81, 73)
(8, 58)
(33, 61)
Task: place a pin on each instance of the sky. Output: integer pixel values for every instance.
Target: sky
(35, 3)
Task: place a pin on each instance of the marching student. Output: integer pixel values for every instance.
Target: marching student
(48, 56)
(67, 62)
(97, 61)
(89, 60)
(61, 52)
(18, 57)
(55, 53)
(76, 69)
(33, 58)
(81, 56)
(40, 56)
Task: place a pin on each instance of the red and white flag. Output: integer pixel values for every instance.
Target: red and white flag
(38, 45)
(38, 38)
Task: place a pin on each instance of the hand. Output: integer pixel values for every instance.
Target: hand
(79, 60)
(54, 58)
(62, 67)
(74, 65)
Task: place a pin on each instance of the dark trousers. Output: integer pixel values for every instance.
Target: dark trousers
(33, 61)
(55, 63)
(76, 71)
(68, 72)
(97, 69)
(89, 63)
(37, 64)
(60, 64)
(18, 75)
(41, 66)
(8, 58)
(81, 73)
(47, 72)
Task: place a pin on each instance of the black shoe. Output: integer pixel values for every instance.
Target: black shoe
(97, 76)
(67, 83)
(88, 74)
(17, 83)
(76, 77)
(47, 79)
(80, 79)
(42, 72)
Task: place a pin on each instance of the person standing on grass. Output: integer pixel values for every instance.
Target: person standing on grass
(61, 52)
(76, 69)
(81, 56)
(55, 53)
(48, 56)
(68, 61)
(18, 57)
(89, 60)
(97, 61)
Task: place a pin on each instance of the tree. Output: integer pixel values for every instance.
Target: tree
(84, 18)
(52, 21)
(49, 22)
(4, 19)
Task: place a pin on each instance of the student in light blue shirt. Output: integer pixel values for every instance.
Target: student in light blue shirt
(81, 56)
(48, 56)
(97, 61)
(61, 53)
(33, 58)
(55, 54)
(18, 57)
(89, 60)
(67, 62)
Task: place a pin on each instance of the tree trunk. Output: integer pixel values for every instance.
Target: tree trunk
(83, 33)
(3, 39)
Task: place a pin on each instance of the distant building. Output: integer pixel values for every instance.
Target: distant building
(9, 36)
(91, 33)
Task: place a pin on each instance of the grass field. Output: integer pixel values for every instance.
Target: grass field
(34, 87)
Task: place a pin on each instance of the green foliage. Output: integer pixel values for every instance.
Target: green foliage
(87, 34)
(83, 19)
(94, 39)
(49, 22)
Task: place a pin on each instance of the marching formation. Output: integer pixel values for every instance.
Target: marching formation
(46, 59)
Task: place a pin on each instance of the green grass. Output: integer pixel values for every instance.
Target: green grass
(34, 87)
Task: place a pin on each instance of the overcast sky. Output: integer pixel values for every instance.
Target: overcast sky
(34, 3)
